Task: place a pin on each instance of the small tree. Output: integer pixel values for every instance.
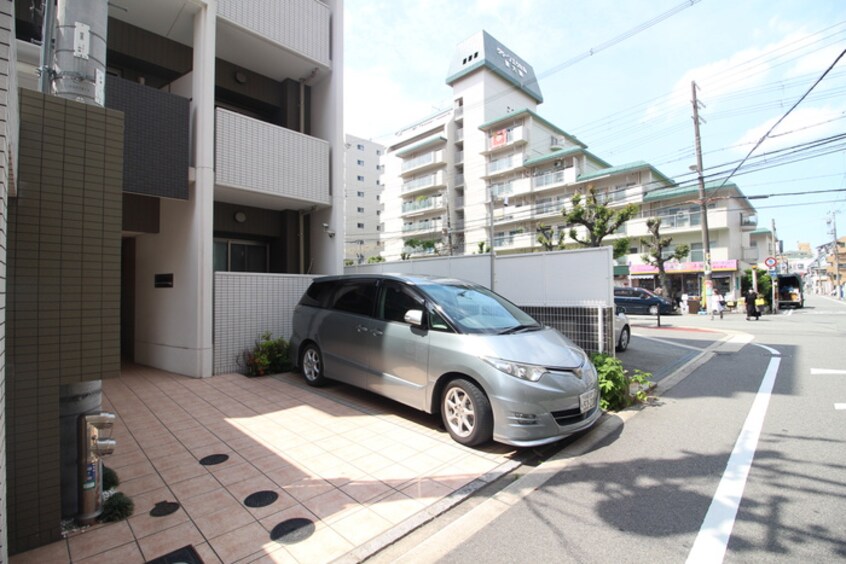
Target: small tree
(417, 245)
(765, 284)
(548, 239)
(656, 244)
(483, 248)
(598, 220)
(374, 260)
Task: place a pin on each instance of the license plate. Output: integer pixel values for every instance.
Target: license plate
(587, 401)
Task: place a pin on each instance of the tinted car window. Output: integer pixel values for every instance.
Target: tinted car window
(357, 296)
(317, 295)
(395, 301)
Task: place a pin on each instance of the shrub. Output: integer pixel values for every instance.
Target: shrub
(118, 507)
(268, 356)
(110, 479)
(615, 384)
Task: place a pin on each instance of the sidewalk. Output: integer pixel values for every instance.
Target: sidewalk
(357, 471)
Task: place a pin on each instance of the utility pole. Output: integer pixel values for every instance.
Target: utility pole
(774, 279)
(833, 221)
(706, 241)
(491, 232)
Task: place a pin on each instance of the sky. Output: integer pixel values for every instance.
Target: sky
(617, 75)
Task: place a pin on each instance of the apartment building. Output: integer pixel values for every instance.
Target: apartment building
(491, 171)
(363, 187)
(214, 164)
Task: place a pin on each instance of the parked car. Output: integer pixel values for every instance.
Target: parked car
(642, 301)
(450, 347)
(622, 331)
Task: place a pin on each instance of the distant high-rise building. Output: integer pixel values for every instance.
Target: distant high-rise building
(490, 171)
(363, 173)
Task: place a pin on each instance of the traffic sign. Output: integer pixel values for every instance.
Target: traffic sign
(770, 262)
(773, 272)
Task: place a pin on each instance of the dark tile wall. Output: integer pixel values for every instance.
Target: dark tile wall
(63, 311)
(157, 142)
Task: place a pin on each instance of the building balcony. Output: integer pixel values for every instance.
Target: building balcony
(459, 135)
(425, 183)
(458, 202)
(459, 179)
(555, 179)
(513, 241)
(549, 209)
(423, 227)
(257, 159)
(502, 139)
(511, 188)
(423, 205)
(504, 165)
(276, 39)
(459, 157)
(750, 254)
(422, 163)
(748, 222)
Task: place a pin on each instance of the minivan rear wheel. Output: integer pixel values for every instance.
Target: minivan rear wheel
(466, 412)
(653, 310)
(311, 365)
(623, 341)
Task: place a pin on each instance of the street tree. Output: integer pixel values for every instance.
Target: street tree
(599, 221)
(550, 240)
(656, 254)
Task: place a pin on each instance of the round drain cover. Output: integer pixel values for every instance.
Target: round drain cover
(261, 499)
(213, 459)
(292, 531)
(164, 508)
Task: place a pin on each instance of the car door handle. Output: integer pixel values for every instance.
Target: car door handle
(361, 329)
(377, 333)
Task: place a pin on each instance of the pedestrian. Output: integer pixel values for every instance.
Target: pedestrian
(717, 303)
(751, 308)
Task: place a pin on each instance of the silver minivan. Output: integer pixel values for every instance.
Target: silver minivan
(446, 346)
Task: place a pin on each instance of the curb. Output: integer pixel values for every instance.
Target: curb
(439, 544)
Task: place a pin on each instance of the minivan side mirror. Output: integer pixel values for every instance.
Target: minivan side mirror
(414, 317)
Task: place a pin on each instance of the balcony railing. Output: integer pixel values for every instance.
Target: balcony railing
(514, 240)
(559, 177)
(507, 163)
(247, 156)
(424, 182)
(301, 27)
(430, 158)
(424, 226)
(422, 205)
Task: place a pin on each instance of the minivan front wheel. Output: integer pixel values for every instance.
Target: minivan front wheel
(466, 412)
(311, 364)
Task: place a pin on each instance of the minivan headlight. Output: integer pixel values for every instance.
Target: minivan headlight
(530, 372)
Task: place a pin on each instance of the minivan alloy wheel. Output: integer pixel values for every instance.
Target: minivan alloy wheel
(312, 366)
(466, 412)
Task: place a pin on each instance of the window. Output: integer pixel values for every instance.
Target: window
(360, 194)
(378, 228)
(395, 301)
(359, 178)
(360, 225)
(360, 162)
(356, 297)
(360, 210)
(360, 147)
(240, 256)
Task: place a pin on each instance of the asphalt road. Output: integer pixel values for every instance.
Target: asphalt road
(741, 458)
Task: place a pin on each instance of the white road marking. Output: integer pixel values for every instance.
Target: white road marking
(665, 342)
(815, 371)
(840, 406)
(711, 542)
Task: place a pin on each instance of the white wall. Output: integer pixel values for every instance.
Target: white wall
(582, 277)
(167, 334)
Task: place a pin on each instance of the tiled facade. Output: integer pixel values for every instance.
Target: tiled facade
(8, 171)
(63, 313)
(241, 314)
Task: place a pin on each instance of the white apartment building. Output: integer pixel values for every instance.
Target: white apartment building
(491, 170)
(363, 186)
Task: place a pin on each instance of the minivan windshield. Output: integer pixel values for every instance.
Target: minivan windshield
(475, 309)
